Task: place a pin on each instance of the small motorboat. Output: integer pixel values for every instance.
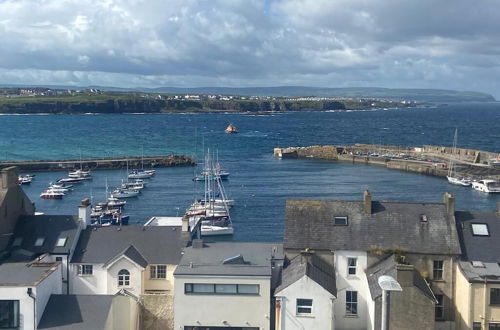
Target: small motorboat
(51, 194)
(124, 193)
(139, 174)
(73, 180)
(459, 181)
(25, 179)
(487, 186)
(79, 174)
(231, 129)
(115, 202)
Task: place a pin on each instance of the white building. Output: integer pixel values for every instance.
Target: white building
(306, 295)
(139, 259)
(225, 285)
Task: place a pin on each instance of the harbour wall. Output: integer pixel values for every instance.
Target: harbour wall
(430, 160)
(101, 164)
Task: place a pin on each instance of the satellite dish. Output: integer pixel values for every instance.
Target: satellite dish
(388, 283)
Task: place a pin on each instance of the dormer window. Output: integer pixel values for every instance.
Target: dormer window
(480, 229)
(39, 241)
(340, 221)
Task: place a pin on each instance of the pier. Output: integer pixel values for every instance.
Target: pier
(101, 164)
(430, 160)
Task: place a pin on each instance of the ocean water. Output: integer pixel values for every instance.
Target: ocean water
(259, 183)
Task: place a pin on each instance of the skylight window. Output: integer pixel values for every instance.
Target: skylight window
(61, 241)
(40, 241)
(17, 241)
(480, 229)
(340, 221)
(477, 264)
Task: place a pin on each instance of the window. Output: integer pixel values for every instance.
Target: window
(59, 259)
(494, 296)
(477, 264)
(205, 288)
(340, 221)
(17, 241)
(439, 308)
(493, 326)
(304, 306)
(61, 241)
(9, 314)
(351, 266)
(476, 326)
(437, 270)
(158, 271)
(123, 278)
(84, 270)
(351, 302)
(480, 229)
(39, 241)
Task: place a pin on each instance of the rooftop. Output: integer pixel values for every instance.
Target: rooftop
(230, 258)
(45, 233)
(312, 267)
(154, 244)
(17, 273)
(417, 227)
(76, 312)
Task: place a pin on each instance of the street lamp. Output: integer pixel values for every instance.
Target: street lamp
(387, 284)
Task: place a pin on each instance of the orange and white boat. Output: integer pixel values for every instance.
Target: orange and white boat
(231, 129)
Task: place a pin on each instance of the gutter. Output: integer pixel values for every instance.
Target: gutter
(32, 296)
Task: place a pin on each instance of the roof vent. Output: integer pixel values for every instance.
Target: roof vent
(234, 260)
(423, 218)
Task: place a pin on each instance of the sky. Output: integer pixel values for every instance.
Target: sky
(242, 43)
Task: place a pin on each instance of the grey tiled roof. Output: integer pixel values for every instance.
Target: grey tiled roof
(14, 273)
(312, 267)
(310, 224)
(489, 271)
(50, 227)
(209, 259)
(76, 312)
(156, 245)
(131, 253)
(479, 248)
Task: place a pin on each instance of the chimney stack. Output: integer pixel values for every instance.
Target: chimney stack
(367, 198)
(449, 203)
(84, 210)
(10, 177)
(185, 224)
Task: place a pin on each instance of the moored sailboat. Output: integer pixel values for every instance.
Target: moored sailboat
(452, 176)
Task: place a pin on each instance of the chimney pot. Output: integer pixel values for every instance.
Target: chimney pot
(449, 203)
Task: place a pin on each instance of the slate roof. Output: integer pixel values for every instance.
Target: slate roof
(479, 248)
(310, 224)
(317, 270)
(155, 245)
(483, 249)
(388, 267)
(256, 259)
(131, 253)
(50, 227)
(76, 312)
(21, 273)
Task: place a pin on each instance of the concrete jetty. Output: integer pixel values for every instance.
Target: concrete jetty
(430, 160)
(101, 164)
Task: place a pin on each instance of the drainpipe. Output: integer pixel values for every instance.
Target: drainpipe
(67, 271)
(32, 296)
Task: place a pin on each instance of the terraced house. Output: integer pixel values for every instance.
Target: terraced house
(416, 243)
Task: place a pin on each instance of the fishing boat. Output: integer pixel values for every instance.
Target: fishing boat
(452, 176)
(231, 129)
(51, 194)
(487, 186)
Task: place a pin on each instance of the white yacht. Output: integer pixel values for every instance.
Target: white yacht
(487, 186)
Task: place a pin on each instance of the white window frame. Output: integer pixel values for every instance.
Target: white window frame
(83, 270)
(154, 273)
(344, 218)
(350, 267)
(124, 278)
(310, 307)
(351, 302)
(439, 271)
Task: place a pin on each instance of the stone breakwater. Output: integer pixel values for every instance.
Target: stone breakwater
(101, 164)
(430, 160)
